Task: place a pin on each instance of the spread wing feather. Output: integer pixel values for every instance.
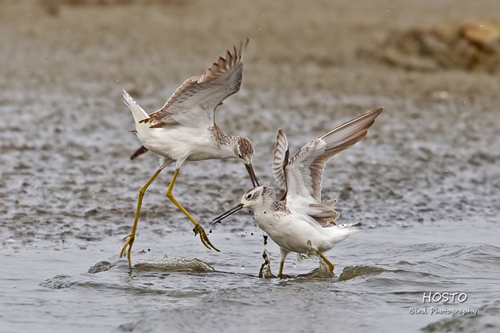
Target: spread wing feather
(323, 213)
(280, 158)
(304, 172)
(194, 102)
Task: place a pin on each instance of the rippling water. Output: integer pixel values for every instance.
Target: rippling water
(424, 184)
(380, 274)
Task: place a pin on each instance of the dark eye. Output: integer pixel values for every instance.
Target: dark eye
(249, 196)
(239, 155)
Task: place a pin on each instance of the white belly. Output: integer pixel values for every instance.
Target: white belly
(290, 234)
(179, 143)
(295, 233)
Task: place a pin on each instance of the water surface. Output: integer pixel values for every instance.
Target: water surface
(424, 183)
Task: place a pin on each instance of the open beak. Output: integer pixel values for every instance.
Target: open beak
(229, 212)
(252, 175)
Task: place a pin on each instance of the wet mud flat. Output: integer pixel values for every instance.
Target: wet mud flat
(424, 183)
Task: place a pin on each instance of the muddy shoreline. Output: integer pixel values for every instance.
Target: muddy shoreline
(68, 189)
(65, 142)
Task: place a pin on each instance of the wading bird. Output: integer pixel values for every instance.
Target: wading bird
(299, 221)
(184, 129)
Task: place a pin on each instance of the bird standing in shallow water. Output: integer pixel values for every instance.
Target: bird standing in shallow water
(184, 129)
(300, 222)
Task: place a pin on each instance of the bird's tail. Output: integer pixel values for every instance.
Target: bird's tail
(137, 112)
(340, 232)
(350, 227)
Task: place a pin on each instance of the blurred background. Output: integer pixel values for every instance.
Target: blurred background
(68, 188)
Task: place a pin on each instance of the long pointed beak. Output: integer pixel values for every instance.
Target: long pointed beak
(252, 175)
(229, 212)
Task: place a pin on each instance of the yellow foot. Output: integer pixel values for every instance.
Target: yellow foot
(198, 229)
(331, 267)
(129, 243)
(329, 264)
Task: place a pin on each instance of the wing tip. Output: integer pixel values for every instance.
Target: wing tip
(280, 156)
(280, 137)
(372, 115)
(127, 99)
(243, 47)
(225, 63)
(376, 111)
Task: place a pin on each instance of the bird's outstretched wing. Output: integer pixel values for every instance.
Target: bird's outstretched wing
(304, 172)
(194, 102)
(280, 158)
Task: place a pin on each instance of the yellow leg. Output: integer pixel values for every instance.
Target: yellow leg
(330, 265)
(280, 274)
(198, 229)
(131, 237)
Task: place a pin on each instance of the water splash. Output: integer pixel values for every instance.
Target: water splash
(352, 272)
(175, 265)
(265, 269)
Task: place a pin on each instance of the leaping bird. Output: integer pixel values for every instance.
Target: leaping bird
(184, 129)
(300, 222)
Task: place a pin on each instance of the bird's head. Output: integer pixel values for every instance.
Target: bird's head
(243, 151)
(251, 199)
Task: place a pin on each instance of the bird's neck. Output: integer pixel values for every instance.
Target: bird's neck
(223, 142)
(268, 194)
(270, 201)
